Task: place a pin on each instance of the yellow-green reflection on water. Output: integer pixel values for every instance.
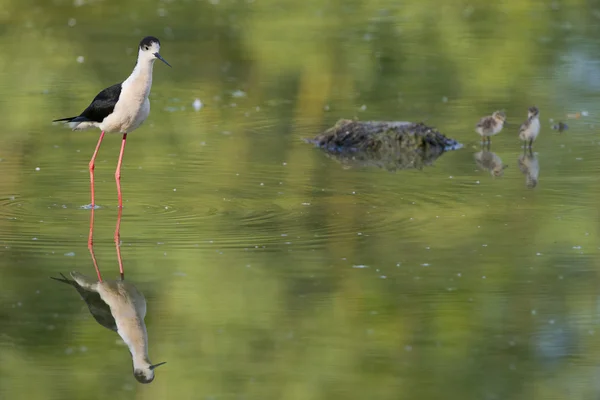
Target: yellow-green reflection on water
(270, 270)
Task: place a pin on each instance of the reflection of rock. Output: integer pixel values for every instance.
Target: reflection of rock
(389, 145)
(530, 167)
(490, 162)
(118, 306)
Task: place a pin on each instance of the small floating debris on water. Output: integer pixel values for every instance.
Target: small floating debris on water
(197, 104)
(363, 107)
(80, 59)
(37, 168)
(360, 266)
(89, 207)
(70, 254)
(174, 109)
(560, 127)
(578, 115)
(238, 93)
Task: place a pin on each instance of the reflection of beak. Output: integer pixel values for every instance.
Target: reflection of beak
(162, 59)
(161, 363)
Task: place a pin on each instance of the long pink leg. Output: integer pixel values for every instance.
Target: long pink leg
(118, 171)
(118, 242)
(91, 246)
(92, 165)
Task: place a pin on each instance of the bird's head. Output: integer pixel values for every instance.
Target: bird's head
(533, 112)
(149, 50)
(499, 116)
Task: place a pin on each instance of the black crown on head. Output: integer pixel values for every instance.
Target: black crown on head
(148, 40)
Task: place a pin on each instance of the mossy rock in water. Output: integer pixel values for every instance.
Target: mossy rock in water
(389, 145)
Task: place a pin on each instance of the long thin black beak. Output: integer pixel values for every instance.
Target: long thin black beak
(162, 59)
(164, 362)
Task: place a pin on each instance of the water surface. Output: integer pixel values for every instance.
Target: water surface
(270, 270)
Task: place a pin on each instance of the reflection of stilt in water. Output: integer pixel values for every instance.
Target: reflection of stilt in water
(91, 245)
(117, 238)
(118, 242)
(117, 305)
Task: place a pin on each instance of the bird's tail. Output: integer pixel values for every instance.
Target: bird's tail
(64, 279)
(68, 119)
(71, 119)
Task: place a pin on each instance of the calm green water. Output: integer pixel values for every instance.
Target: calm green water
(270, 270)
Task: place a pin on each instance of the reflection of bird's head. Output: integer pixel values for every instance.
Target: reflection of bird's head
(498, 170)
(146, 374)
(531, 181)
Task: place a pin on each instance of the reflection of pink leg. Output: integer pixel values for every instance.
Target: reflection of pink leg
(92, 165)
(91, 246)
(118, 243)
(118, 171)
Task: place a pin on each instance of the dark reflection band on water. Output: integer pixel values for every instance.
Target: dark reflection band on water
(118, 306)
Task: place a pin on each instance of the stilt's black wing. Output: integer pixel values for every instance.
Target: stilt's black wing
(101, 107)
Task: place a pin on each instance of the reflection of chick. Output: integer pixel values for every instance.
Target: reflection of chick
(490, 162)
(490, 125)
(560, 127)
(119, 306)
(529, 166)
(530, 129)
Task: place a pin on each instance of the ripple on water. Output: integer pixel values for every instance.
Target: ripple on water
(12, 207)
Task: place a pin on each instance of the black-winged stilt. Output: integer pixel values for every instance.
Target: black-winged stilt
(119, 306)
(122, 107)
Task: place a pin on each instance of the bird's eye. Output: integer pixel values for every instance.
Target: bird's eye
(146, 47)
